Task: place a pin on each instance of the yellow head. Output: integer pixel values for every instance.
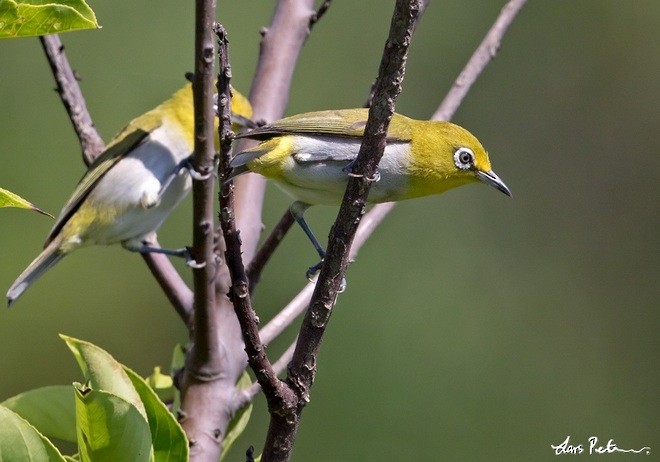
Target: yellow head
(444, 156)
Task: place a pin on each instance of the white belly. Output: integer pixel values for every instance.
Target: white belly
(132, 188)
(316, 176)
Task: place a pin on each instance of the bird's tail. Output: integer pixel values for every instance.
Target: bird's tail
(46, 259)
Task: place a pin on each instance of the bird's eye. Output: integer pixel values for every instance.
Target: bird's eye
(464, 158)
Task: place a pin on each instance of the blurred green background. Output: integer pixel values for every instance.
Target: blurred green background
(474, 327)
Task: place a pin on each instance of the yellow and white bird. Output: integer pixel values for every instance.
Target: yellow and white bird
(309, 156)
(130, 189)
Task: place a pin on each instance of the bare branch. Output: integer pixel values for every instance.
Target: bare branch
(388, 87)
(239, 291)
(279, 51)
(323, 8)
(203, 192)
(479, 60)
(300, 302)
(74, 103)
(174, 288)
(278, 366)
(268, 248)
(288, 314)
(284, 424)
(202, 383)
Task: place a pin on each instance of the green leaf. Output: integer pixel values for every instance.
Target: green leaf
(238, 423)
(110, 428)
(162, 384)
(178, 362)
(25, 18)
(169, 440)
(104, 372)
(21, 441)
(9, 199)
(51, 410)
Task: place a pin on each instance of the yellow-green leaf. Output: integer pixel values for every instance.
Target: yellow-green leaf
(104, 372)
(168, 438)
(27, 18)
(110, 428)
(9, 199)
(162, 384)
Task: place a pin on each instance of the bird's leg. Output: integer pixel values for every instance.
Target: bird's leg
(146, 246)
(297, 210)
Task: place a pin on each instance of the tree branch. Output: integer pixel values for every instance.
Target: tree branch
(323, 8)
(278, 366)
(479, 60)
(267, 249)
(388, 87)
(239, 292)
(273, 240)
(204, 363)
(174, 288)
(283, 425)
(204, 357)
(67, 86)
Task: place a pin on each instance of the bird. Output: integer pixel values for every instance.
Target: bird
(310, 157)
(130, 188)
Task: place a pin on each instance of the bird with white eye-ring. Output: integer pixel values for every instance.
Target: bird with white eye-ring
(308, 156)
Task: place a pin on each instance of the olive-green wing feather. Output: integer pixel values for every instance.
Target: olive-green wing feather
(104, 162)
(348, 123)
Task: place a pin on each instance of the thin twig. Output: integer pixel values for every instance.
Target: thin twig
(67, 86)
(479, 60)
(174, 288)
(267, 249)
(278, 366)
(283, 427)
(239, 292)
(388, 87)
(300, 302)
(323, 8)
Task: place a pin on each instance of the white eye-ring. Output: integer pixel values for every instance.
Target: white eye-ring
(464, 158)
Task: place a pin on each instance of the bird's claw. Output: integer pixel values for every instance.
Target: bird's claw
(190, 261)
(198, 176)
(349, 170)
(311, 272)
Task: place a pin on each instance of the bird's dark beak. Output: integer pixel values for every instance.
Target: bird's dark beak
(493, 180)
